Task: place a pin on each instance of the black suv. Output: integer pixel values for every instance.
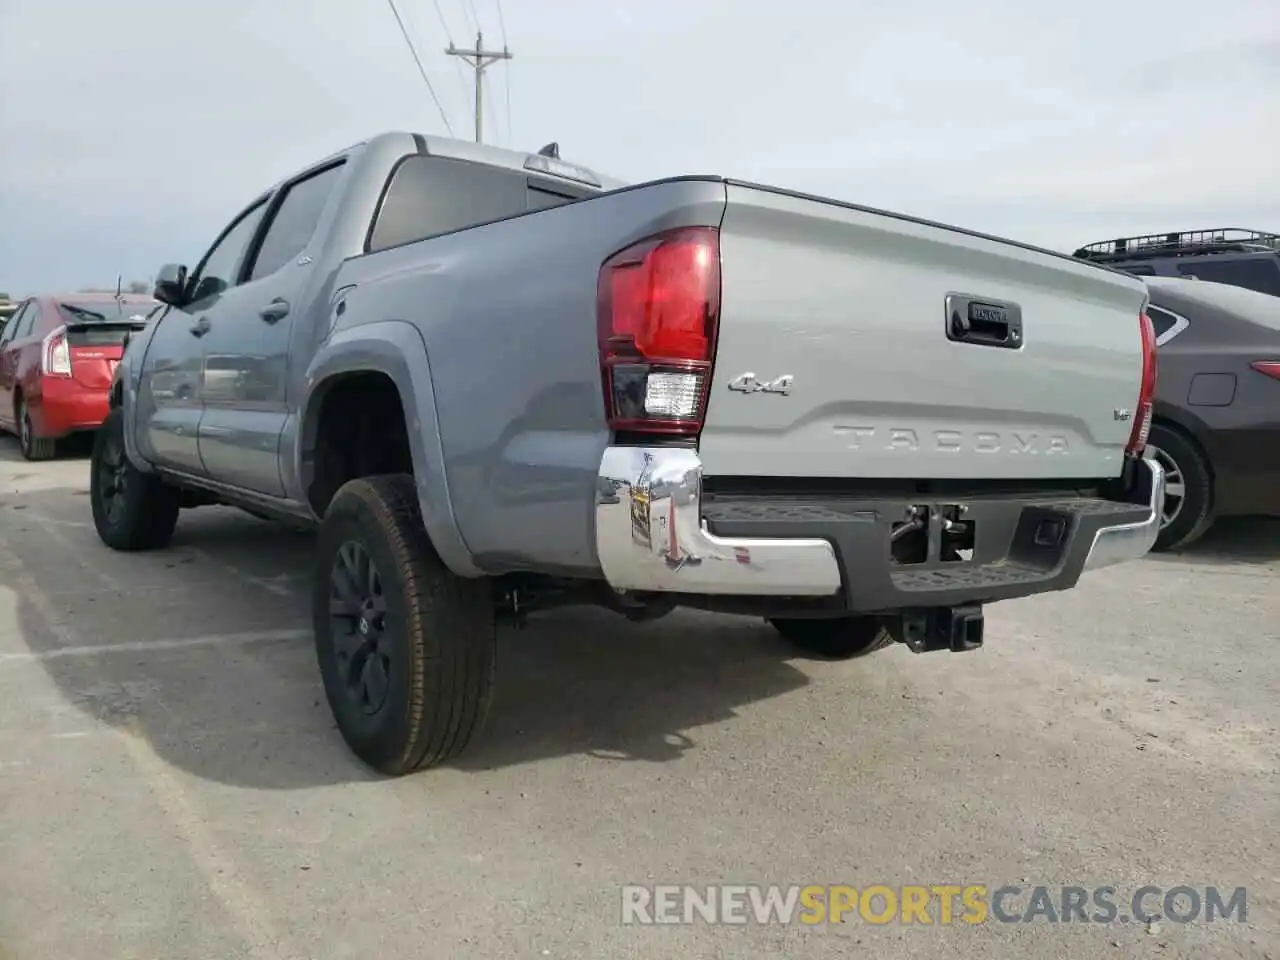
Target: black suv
(1241, 258)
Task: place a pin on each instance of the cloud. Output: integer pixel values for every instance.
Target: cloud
(152, 123)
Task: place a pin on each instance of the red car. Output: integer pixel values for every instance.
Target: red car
(57, 358)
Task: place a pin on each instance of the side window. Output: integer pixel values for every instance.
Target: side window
(294, 223)
(218, 271)
(1140, 271)
(1255, 273)
(29, 316)
(11, 328)
(433, 195)
(1167, 325)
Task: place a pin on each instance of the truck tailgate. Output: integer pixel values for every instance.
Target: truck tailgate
(842, 351)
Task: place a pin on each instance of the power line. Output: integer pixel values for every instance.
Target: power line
(506, 74)
(488, 92)
(475, 17)
(448, 35)
(421, 69)
(443, 22)
(506, 88)
(479, 60)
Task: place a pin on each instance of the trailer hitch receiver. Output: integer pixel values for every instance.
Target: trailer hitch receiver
(943, 628)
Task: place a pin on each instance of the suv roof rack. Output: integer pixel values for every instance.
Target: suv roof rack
(1187, 243)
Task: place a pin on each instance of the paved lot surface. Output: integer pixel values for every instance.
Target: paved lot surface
(171, 784)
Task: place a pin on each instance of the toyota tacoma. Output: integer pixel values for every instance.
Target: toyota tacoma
(496, 382)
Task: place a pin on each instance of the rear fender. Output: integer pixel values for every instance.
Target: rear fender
(394, 348)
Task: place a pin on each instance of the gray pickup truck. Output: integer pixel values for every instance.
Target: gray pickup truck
(496, 382)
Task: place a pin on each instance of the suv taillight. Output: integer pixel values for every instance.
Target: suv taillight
(1270, 367)
(1147, 390)
(658, 310)
(56, 355)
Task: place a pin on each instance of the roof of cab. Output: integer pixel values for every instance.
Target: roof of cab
(452, 148)
(502, 157)
(98, 296)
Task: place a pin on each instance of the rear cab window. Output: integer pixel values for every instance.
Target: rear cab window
(539, 197)
(428, 196)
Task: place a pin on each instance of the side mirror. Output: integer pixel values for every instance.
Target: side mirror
(171, 284)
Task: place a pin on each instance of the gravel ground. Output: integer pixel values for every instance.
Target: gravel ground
(171, 783)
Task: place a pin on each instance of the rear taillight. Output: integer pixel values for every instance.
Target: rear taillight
(57, 354)
(1147, 390)
(658, 308)
(1270, 367)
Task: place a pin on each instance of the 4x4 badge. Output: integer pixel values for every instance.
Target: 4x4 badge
(747, 383)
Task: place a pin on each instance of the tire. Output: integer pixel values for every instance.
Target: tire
(1187, 467)
(33, 447)
(839, 638)
(416, 690)
(132, 510)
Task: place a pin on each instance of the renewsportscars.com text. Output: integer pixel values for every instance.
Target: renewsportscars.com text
(940, 904)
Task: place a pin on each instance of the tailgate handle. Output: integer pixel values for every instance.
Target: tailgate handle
(200, 327)
(983, 322)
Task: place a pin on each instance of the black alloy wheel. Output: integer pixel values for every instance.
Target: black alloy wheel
(112, 474)
(132, 510)
(405, 647)
(358, 619)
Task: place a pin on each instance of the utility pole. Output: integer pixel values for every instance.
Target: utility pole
(479, 60)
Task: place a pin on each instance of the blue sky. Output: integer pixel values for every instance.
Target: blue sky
(130, 132)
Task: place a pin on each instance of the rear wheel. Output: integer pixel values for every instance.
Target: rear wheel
(33, 447)
(1187, 511)
(839, 638)
(405, 647)
(132, 510)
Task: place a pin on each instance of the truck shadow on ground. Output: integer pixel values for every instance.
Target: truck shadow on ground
(247, 708)
(587, 681)
(1230, 541)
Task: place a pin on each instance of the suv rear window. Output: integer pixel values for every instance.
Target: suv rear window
(428, 196)
(1260, 273)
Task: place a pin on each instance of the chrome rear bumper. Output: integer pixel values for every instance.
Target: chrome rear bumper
(651, 536)
(1131, 541)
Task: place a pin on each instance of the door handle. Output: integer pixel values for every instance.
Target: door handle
(277, 309)
(200, 327)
